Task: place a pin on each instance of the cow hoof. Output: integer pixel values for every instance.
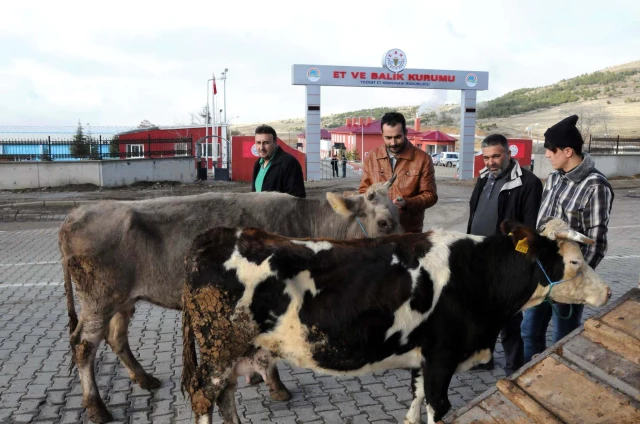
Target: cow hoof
(99, 415)
(149, 382)
(280, 395)
(255, 378)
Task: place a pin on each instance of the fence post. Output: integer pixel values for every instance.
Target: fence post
(149, 143)
(590, 137)
(100, 146)
(617, 144)
(49, 142)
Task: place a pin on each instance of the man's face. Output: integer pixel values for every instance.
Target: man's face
(559, 159)
(496, 158)
(393, 137)
(266, 145)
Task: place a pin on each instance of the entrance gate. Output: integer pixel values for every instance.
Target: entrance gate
(392, 75)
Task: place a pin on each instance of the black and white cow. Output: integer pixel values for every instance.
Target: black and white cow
(434, 302)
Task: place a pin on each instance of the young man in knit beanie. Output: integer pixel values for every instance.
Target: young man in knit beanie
(580, 195)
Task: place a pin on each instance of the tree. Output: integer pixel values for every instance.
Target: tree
(79, 147)
(604, 118)
(114, 147)
(146, 124)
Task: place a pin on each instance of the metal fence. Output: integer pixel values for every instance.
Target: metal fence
(613, 145)
(94, 149)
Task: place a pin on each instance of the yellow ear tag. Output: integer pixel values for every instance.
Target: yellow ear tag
(522, 246)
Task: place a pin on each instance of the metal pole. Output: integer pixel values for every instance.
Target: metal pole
(206, 119)
(362, 158)
(224, 104)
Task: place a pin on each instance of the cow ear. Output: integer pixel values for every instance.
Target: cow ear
(508, 225)
(524, 240)
(345, 206)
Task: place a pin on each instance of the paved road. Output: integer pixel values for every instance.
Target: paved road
(35, 385)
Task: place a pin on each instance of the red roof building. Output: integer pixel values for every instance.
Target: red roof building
(325, 141)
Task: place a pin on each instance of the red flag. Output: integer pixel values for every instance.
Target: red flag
(215, 89)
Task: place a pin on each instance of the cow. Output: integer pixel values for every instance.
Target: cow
(119, 252)
(432, 302)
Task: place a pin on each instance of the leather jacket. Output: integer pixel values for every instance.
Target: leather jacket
(415, 182)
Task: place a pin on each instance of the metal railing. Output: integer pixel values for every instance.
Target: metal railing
(613, 145)
(94, 149)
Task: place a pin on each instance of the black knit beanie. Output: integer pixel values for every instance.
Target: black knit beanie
(564, 134)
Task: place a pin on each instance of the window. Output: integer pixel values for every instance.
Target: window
(135, 151)
(181, 149)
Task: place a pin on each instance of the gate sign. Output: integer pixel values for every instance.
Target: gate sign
(357, 76)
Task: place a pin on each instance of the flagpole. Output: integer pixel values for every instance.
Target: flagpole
(215, 123)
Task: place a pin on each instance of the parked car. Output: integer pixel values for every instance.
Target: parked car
(435, 158)
(448, 159)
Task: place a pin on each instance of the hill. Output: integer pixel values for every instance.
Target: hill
(607, 101)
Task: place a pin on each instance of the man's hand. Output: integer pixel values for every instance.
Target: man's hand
(400, 202)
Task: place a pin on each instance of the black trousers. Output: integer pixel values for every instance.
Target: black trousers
(512, 344)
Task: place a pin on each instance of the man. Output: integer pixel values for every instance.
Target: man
(580, 195)
(276, 170)
(334, 166)
(344, 166)
(504, 190)
(414, 190)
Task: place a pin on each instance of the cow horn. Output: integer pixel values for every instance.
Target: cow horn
(573, 235)
(391, 180)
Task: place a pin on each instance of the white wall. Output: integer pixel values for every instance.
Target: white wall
(108, 173)
(609, 165)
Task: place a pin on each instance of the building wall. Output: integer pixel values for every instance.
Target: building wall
(107, 173)
(609, 165)
(195, 132)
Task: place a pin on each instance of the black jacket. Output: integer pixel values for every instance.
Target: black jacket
(519, 198)
(284, 175)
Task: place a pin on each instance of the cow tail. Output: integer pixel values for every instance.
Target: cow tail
(71, 307)
(189, 358)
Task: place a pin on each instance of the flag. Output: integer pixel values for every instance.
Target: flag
(215, 89)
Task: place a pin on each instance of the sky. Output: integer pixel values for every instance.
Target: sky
(121, 62)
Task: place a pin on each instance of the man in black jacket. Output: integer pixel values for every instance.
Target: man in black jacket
(276, 170)
(504, 190)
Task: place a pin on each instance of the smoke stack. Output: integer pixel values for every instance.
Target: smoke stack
(348, 123)
(417, 124)
(369, 120)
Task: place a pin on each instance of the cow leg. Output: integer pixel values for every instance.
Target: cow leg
(417, 386)
(118, 339)
(277, 389)
(436, 384)
(84, 345)
(226, 402)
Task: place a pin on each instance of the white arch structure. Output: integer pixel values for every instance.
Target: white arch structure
(315, 76)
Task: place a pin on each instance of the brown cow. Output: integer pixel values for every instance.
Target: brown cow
(119, 252)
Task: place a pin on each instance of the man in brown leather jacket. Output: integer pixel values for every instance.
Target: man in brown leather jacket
(415, 187)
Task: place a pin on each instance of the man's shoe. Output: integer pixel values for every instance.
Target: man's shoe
(489, 366)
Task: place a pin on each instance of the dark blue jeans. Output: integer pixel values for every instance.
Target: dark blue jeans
(535, 323)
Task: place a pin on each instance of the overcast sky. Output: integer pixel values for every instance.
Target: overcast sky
(119, 62)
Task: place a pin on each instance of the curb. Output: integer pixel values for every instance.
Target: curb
(47, 204)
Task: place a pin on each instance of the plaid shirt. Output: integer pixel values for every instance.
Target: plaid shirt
(583, 198)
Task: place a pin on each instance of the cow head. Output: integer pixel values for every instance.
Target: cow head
(557, 252)
(377, 213)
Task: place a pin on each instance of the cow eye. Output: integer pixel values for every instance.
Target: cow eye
(575, 262)
(382, 224)
(371, 196)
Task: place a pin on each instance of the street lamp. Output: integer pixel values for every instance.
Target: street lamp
(224, 101)
(362, 125)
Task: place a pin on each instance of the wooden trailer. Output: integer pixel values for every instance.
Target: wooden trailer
(590, 376)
